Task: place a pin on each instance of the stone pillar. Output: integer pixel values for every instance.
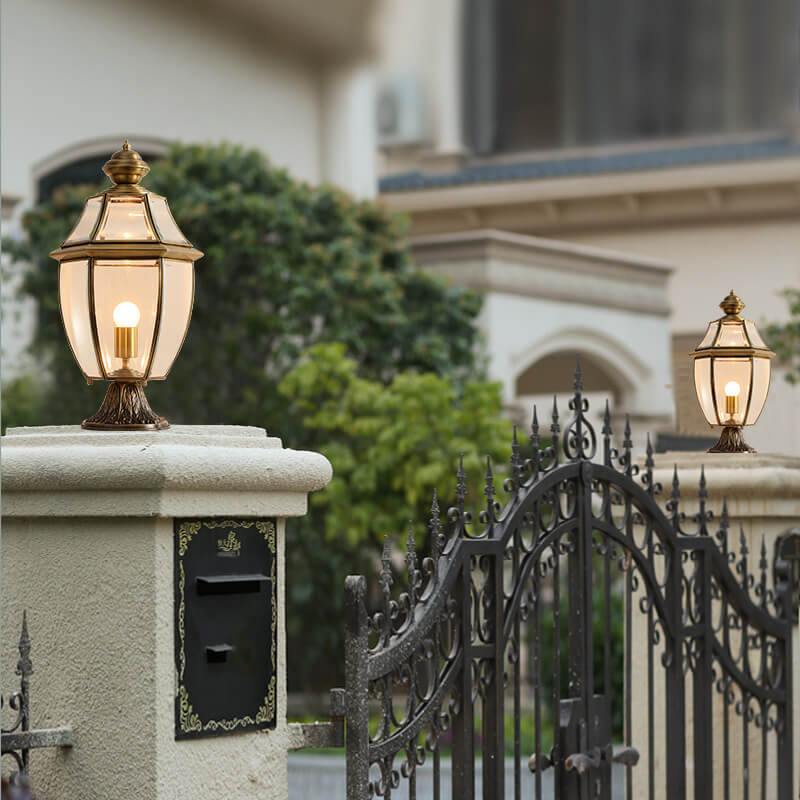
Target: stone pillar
(88, 551)
(763, 498)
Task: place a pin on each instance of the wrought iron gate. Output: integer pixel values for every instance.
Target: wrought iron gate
(457, 661)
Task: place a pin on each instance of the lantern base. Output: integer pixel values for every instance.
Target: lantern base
(731, 440)
(125, 408)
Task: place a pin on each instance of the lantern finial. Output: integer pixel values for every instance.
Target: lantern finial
(732, 305)
(126, 167)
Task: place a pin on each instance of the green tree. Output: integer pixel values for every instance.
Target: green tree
(286, 265)
(391, 445)
(784, 337)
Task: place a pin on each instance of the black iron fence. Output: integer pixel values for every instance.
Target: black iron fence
(18, 739)
(456, 662)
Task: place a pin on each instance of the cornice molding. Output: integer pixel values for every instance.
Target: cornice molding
(681, 195)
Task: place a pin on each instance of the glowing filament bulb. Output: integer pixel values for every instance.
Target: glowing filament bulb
(126, 315)
(732, 390)
(126, 339)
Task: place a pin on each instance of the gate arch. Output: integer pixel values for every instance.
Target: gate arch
(581, 522)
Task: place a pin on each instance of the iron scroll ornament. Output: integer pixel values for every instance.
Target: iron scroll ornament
(452, 639)
(225, 626)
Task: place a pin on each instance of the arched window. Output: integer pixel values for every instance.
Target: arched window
(83, 162)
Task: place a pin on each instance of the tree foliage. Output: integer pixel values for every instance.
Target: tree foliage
(784, 337)
(391, 445)
(286, 265)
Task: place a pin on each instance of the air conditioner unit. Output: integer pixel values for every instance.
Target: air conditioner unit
(401, 114)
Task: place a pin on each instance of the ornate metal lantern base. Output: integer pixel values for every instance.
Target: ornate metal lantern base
(731, 440)
(125, 408)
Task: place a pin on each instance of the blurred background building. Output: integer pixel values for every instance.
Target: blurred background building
(604, 171)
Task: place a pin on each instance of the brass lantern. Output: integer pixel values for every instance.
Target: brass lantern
(731, 375)
(126, 289)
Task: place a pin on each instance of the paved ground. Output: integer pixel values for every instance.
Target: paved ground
(312, 776)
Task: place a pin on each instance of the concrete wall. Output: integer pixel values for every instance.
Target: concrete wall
(87, 550)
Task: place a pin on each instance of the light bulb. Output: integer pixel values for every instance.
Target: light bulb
(126, 315)
(732, 389)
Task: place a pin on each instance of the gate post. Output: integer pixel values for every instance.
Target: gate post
(356, 687)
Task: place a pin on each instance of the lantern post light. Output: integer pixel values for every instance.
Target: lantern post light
(126, 290)
(731, 375)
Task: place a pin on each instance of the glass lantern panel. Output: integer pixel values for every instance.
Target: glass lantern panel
(162, 217)
(731, 334)
(85, 225)
(708, 339)
(761, 369)
(73, 297)
(702, 382)
(125, 220)
(134, 283)
(177, 309)
(755, 336)
(731, 378)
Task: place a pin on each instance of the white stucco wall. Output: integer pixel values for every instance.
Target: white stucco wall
(758, 259)
(76, 70)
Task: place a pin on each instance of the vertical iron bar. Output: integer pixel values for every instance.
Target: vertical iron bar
(676, 699)
(785, 748)
(463, 783)
(703, 681)
(745, 742)
(764, 760)
(726, 745)
(517, 697)
(628, 683)
(556, 668)
(537, 685)
(437, 777)
(494, 711)
(356, 686)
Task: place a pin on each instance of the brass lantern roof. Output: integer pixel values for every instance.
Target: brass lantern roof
(732, 334)
(149, 229)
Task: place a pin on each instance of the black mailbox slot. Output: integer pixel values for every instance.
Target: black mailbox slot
(226, 621)
(216, 653)
(230, 584)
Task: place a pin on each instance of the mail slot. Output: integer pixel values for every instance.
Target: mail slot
(230, 584)
(225, 625)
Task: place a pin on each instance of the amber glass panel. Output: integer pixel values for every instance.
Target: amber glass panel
(73, 296)
(83, 229)
(731, 370)
(115, 282)
(761, 370)
(702, 382)
(731, 334)
(708, 339)
(162, 216)
(177, 309)
(125, 220)
(755, 336)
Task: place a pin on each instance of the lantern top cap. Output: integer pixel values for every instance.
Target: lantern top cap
(126, 167)
(732, 305)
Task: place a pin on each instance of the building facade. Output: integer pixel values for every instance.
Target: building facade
(666, 132)
(289, 78)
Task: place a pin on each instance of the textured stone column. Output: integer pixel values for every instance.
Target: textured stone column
(763, 498)
(87, 549)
